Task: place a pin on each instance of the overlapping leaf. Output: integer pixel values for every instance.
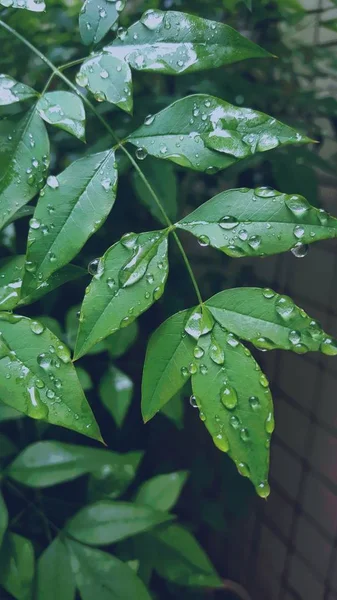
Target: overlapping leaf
(32, 5)
(163, 181)
(64, 110)
(24, 160)
(269, 320)
(38, 378)
(235, 403)
(17, 566)
(130, 278)
(259, 222)
(71, 208)
(96, 18)
(162, 492)
(116, 390)
(174, 42)
(108, 78)
(11, 91)
(3, 518)
(55, 579)
(205, 133)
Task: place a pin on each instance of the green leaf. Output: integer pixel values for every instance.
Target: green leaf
(32, 5)
(329, 24)
(11, 274)
(173, 42)
(174, 410)
(108, 78)
(163, 181)
(130, 277)
(259, 222)
(3, 518)
(169, 357)
(7, 448)
(7, 413)
(111, 481)
(70, 210)
(235, 404)
(162, 492)
(84, 379)
(64, 110)
(106, 522)
(72, 325)
(24, 159)
(11, 91)
(103, 576)
(52, 324)
(38, 378)
(119, 343)
(269, 320)
(204, 133)
(249, 4)
(17, 566)
(48, 463)
(178, 557)
(116, 390)
(55, 578)
(95, 20)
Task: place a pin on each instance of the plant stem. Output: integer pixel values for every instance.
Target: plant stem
(119, 144)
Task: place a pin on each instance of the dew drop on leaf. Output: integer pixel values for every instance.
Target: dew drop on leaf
(300, 250)
(228, 222)
(221, 442)
(193, 402)
(229, 397)
(93, 266)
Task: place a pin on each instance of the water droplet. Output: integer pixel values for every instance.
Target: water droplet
(297, 205)
(299, 231)
(184, 371)
(202, 416)
(263, 489)
(300, 349)
(93, 266)
(149, 119)
(234, 422)
(254, 402)
(157, 292)
(203, 370)
(229, 397)
(199, 323)
(254, 242)
(216, 353)
(52, 182)
(45, 361)
(232, 340)
(263, 343)
(244, 434)
(37, 327)
(264, 381)
(204, 240)
(268, 293)
(221, 442)
(243, 469)
(243, 235)
(34, 223)
(266, 192)
(294, 337)
(141, 153)
(192, 368)
(300, 250)
(50, 394)
(152, 19)
(270, 423)
(193, 401)
(323, 217)
(329, 347)
(285, 308)
(198, 352)
(228, 222)
(63, 353)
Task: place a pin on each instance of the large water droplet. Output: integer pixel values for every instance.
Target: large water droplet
(294, 337)
(198, 352)
(300, 250)
(285, 308)
(192, 368)
(37, 327)
(216, 353)
(93, 266)
(221, 442)
(329, 347)
(268, 293)
(141, 153)
(193, 401)
(254, 403)
(228, 222)
(263, 489)
(297, 205)
(52, 182)
(229, 397)
(152, 19)
(270, 423)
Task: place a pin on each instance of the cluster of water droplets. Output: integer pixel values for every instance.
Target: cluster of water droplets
(107, 77)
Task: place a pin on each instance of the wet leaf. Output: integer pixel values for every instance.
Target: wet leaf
(129, 278)
(17, 566)
(259, 222)
(32, 5)
(24, 160)
(116, 390)
(119, 343)
(205, 133)
(106, 522)
(55, 579)
(11, 91)
(111, 481)
(103, 576)
(7, 413)
(49, 463)
(108, 78)
(96, 18)
(173, 42)
(64, 110)
(269, 320)
(162, 492)
(167, 366)
(71, 208)
(235, 404)
(163, 181)
(38, 378)
(3, 518)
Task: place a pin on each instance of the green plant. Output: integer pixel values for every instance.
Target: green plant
(202, 344)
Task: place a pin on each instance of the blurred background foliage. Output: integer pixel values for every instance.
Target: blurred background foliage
(297, 88)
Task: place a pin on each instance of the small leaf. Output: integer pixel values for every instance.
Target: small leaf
(269, 320)
(163, 181)
(173, 42)
(3, 518)
(116, 390)
(107, 522)
(7, 448)
(235, 404)
(64, 110)
(168, 364)
(119, 343)
(108, 78)
(178, 557)
(7, 413)
(32, 5)
(96, 19)
(70, 209)
(174, 410)
(11, 91)
(55, 579)
(162, 492)
(38, 378)
(84, 379)
(205, 133)
(259, 222)
(130, 277)
(48, 463)
(17, 566)
(24, 160)
(103, 576)
(111, 481)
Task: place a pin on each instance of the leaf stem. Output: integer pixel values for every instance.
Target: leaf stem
(119, 143)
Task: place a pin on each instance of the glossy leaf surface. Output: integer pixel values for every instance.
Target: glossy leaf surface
(96, 18)
(3, 517)
(11, 91)
(55, 579)
(205, 133)
(108, 78)
(163, 181)
(259, 222)
(64, 110)
(38, 378)
(116, 390)
(162, 491)
(17, 566)
(130, 278)
(71, 208)
(32, 5)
